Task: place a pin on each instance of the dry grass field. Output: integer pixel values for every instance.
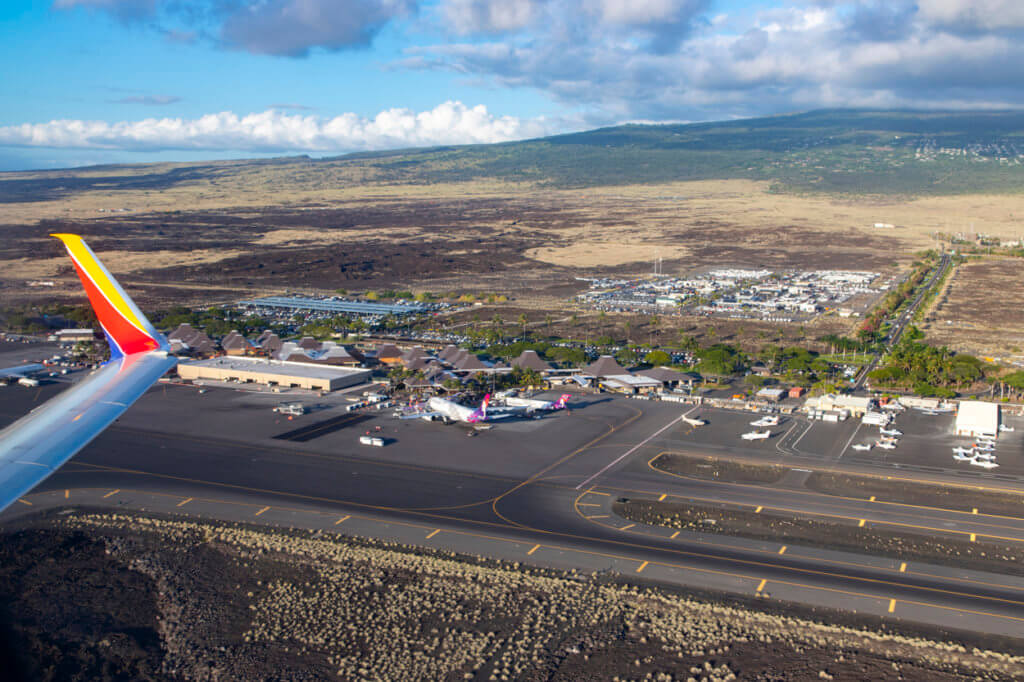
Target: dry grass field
(982, 309)
(212, 233)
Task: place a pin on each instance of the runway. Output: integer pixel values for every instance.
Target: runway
(535, 491)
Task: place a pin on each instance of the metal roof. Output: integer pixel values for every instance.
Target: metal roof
(331, 305)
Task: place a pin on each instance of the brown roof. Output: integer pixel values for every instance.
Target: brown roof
(604, 366)
(529, 359)
(470, 361)
(235, 341)
(388, 350)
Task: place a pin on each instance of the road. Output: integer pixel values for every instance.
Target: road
(525, 496)
(899, 325)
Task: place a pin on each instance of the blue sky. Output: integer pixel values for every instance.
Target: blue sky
(97, 81)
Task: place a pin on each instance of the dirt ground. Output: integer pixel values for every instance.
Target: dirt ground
(965, 497)
(809, 532)
(165, 598)
(716, 469)
(207, 229)
(982, 309)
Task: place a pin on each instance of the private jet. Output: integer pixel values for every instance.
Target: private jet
(693, 421)
(861, 446)
(757, 435)
(886, 445)
(766, 421)
(890, 432)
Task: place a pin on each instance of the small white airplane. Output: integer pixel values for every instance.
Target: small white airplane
(985, 455)
(984, 464)
(861, 446)
(890, 432)
(1005, 428)
(963, 451)
(963, 457)
(692, 421)
(886, 445)
(757, 435)
(984, 447)
(767, 420)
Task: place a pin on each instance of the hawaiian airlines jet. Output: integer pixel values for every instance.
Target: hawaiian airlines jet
(36, 445)
(530, 404)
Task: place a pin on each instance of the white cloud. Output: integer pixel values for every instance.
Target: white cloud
(973, 14)
(272, 131)
(488, 16)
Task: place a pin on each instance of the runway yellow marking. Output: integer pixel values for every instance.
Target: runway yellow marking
(892, 605)
(262, 510)
(666, 564)
(24, 501)
(535, 548)
(67, 493)
(422, 513)
(674, 535)
(628, 527)
(343, 519)
(185, 501)
(758, 510)
(112, 493)
(604, 516)
(594, 492)
(946, 483)
(433, 533)
(762, 584)
(782, 550)
(662, 498)
(588, 504)
(861, 524)
(871, 499)
(903, 567)
(896, 524)
(642, 566)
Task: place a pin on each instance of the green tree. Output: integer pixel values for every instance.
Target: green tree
(657, 358)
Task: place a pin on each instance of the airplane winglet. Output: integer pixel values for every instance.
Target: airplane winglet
(127, 329)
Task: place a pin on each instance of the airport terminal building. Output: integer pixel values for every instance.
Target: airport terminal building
(975, 418)
(273, 373)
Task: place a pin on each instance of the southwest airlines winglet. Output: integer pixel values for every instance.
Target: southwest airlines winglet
(34, 447)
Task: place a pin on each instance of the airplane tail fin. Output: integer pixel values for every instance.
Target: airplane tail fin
(564, 399)
(127, 329)
(480, 413)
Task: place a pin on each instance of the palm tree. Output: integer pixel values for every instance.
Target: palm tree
(522, 323)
